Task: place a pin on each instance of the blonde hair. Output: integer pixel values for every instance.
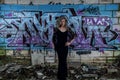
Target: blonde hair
(59, 19)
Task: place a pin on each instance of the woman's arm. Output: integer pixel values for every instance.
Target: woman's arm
(54, 40)
(71, 36)
(69, 43)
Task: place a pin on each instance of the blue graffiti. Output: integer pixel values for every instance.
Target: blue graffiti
(31, 29)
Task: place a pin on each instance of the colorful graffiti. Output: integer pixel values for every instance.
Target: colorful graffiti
(31, 27)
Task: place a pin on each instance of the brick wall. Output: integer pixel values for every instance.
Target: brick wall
(110, 8)
(62, 1)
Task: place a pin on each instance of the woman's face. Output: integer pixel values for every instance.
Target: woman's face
(63, 22)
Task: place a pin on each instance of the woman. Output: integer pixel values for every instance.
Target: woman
(60, 43)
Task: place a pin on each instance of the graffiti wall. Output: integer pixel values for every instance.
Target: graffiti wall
(31, 26)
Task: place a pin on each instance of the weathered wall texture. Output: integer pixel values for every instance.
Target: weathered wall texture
(96, 22)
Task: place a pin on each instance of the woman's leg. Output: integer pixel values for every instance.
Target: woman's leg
(62, 65)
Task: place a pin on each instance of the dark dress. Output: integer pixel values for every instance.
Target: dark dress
(59, 40)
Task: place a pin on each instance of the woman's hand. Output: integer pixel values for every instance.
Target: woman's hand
(67, 43)
(53, 46)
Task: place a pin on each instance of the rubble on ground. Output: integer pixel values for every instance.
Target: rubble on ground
(13, 71)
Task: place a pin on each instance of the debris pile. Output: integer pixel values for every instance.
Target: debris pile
(13, 71)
